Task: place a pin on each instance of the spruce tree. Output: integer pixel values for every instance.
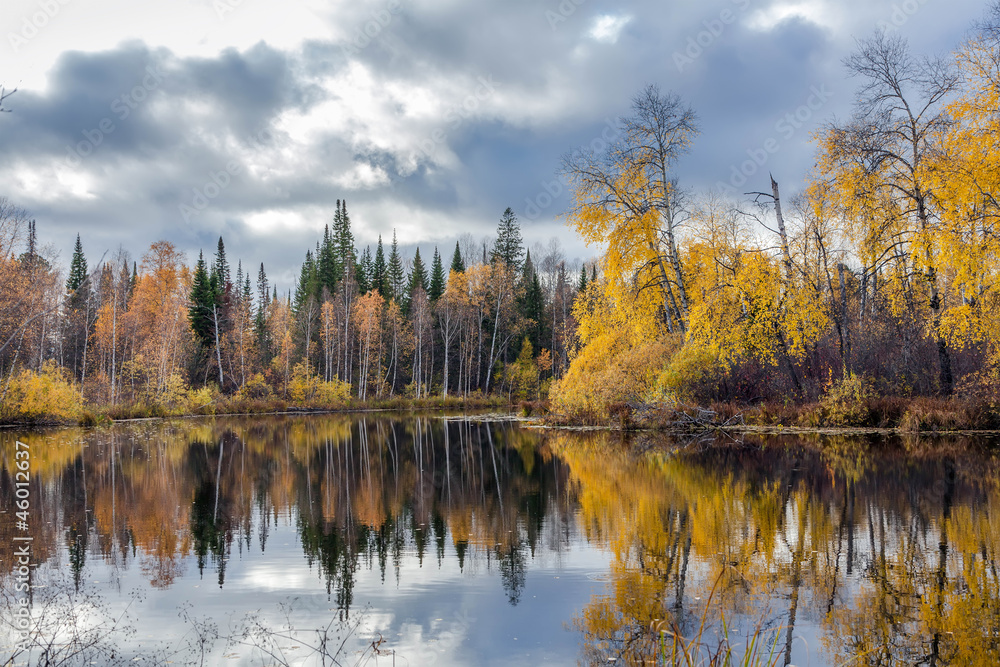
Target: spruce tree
(77, 268)
(363, 271)
(221, 269)
(343, 238)
(395, 272)
(457, 263)
(200, 313)
(380, 278)
(305, 287)
(508, 247)
(582, 285)
(531, 303)
(418, 276)
(327, 267)
(437, 283)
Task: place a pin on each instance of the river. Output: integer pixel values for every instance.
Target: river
(400, 539)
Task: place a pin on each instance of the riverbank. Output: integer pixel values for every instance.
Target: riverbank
(96, 415)
(871, 415)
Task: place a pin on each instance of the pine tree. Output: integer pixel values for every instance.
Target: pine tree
(593, 273)
(508, 247)
(438, 279)
(457, 263)
(395, 273)
(200, 313)
(582, 285)
(380, 278)
(418, 276)
(77, 268)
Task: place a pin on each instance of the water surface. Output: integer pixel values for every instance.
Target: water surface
(454, 541)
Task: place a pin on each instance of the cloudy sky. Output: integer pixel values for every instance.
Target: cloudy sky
(187, 119)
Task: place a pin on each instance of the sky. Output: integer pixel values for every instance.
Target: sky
(185, 120)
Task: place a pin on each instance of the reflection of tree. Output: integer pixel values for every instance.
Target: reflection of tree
(512, 566)
(891, 553)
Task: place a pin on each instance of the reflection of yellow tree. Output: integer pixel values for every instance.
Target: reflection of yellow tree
(831, 535)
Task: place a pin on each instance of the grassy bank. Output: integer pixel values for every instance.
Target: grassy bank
(93, 415)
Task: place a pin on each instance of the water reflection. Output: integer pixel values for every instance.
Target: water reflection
(849, 549)
(361, 492)
(835, 549)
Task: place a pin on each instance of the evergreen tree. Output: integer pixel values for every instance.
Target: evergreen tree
(263, 297)
(221, 271)
(438, 279)
(593, 273)
(328, 270)
(508, 247)
(363, 271)
(343, 238)
(582, 285)
(200, 313)
(418, 275)
(306, 286)
(380, 278)
(77, 268)
(395, 272)
(457, 263)
(531, 304)
(238, 285)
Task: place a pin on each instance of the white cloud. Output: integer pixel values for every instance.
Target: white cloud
(811, 11)
(607, 28)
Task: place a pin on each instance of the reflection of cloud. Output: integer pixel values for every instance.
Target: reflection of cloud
(607, 28)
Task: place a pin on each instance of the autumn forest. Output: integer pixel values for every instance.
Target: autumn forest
(876, 281)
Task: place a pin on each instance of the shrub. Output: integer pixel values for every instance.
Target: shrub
(603, 376)
(44, 396)
(692, 376)
(848, 402)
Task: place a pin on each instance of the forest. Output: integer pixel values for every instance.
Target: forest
(870, 291)
(157, 337)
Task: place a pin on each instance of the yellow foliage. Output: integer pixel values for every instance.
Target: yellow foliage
(255, 388)
(306, 386)
(46, 395)
(692, 375)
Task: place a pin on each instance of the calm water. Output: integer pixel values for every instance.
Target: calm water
(448, 541)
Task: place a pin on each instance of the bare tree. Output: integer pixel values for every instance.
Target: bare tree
(4, 94)
(634, 177)
(899, 110)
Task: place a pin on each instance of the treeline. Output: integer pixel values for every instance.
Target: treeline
(880, 278)
(163, 337)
